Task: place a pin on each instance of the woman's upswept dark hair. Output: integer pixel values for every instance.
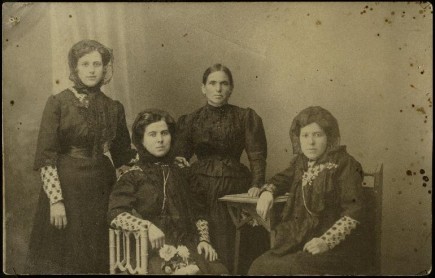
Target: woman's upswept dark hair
(147, 117)
(218, 67)
(319, 115)
(84, 47)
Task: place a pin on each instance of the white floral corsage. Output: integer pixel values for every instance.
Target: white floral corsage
(176, 260)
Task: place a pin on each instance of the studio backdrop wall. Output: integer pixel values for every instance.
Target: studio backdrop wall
(370, 64)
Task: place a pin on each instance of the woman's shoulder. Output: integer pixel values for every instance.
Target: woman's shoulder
(110, 100)
(62, 95)
(185, 118)
(247, 110)
(344, 160)
(247, 113)
(341, 154)
(132, 173)
(60, 98)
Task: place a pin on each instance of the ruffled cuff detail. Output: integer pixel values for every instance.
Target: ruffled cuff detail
(338, 232)
(129, 222)
(202, 227)
(51, 184)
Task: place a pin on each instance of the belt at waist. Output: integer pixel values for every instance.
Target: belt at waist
(79, 152)
(218, 157)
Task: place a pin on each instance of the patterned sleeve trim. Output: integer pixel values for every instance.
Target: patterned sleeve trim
(133, 168)
(268, 187)
(202, 226)
(129, 222)
(51, 184)
(338, 232)
(134, 160)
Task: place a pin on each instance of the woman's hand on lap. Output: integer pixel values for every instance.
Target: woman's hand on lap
(208, 250)
(156, 237)
(316, 246)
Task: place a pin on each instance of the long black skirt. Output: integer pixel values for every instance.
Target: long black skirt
(83, 246)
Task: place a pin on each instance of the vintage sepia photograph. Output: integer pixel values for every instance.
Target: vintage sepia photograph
(217, 138)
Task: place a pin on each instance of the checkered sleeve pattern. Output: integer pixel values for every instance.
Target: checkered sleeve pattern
(51, 184)
(338, 232)
(202, 227)
(129, 222)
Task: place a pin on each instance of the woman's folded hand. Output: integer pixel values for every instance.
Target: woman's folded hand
(316, 246)
(156, 236)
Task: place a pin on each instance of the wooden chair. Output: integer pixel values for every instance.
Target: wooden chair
(372, 188)
(128, 251)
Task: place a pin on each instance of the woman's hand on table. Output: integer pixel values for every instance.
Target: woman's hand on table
(208, 250)
(316, 246)
(264, 204)
(181, 162)
(254, 191)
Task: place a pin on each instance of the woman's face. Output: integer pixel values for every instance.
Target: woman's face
(157, 139)
(217, 89)
(313, 141)
(90, 68)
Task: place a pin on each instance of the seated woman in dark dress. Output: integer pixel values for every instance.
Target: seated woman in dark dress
(157, 189)
(319, 232)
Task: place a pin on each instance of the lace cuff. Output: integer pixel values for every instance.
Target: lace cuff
(129, 222)
(202, 226)
(338, 232)
(51, 184)
(268, 187)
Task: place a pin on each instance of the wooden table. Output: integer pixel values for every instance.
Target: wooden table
(238, 202)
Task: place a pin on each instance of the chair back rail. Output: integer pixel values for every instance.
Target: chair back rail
(122, 240)
(373, 196)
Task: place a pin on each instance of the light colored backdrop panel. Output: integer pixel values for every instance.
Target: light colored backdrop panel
(370, 64)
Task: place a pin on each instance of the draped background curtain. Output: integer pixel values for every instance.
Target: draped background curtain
(370, 64)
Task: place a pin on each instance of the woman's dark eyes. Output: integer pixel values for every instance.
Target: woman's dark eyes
(214, 83)
(314, 134)
(96, 64)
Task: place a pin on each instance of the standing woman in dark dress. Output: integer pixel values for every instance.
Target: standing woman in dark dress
(78, 126)
(218, 133)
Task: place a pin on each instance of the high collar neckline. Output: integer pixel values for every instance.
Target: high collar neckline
(214, 108)
(87, 90)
